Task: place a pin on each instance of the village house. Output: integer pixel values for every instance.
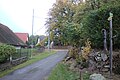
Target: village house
(8, 37)
(23, 36)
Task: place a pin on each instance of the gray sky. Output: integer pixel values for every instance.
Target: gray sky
(17, 14)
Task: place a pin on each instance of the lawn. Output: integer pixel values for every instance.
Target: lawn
(32, 60)
(61, 72)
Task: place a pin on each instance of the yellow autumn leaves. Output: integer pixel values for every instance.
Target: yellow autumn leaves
(86, 50)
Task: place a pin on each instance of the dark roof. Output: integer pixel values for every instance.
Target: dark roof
(7, 36)
(42, 37)
(22, 36)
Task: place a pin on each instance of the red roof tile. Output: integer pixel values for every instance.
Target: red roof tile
(23, 36)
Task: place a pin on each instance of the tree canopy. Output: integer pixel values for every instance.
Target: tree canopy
(72, 22)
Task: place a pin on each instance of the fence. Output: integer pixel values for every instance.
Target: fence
(20, 56)
(23, 52)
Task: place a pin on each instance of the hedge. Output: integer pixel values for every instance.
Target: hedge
(95, 21)
(5, 52)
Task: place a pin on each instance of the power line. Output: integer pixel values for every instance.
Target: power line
(39, 30)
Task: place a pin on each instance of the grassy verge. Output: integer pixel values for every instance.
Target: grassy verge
(34, 59)
(61, 72)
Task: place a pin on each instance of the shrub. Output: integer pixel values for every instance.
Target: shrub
(95, 21)
(73, 52)
(86, 50)
(6, 51)
(83, 57)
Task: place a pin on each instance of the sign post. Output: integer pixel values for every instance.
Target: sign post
(111, 47)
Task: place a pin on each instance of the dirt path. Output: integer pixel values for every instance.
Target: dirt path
(38, 70)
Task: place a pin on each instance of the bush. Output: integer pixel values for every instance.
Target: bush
(5, 52)
(73, 52)
(95, 21)
(86, 50)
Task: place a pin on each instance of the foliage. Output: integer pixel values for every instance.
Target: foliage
(82, 57)
(61, 72)
(33, 40)
(21, 53)
(6, 51)
(95, 21)
(71, 34)
(86, 75)
(61, 14)
(73, 52)
(72, 22)
(86, 50)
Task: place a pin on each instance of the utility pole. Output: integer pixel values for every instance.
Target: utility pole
(32, 30)
(32, 24)
(49, 39)
(49, 36)
(111, 45)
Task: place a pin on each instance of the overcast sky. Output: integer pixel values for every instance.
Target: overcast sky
(17, 15)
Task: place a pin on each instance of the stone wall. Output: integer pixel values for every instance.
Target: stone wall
(15, 62)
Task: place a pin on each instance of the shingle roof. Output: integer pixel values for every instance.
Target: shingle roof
(42, 37)
(23, 36)
(8, 37)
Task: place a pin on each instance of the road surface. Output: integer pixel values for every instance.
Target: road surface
(38, 70)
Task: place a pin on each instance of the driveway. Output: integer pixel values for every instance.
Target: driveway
(38, 70)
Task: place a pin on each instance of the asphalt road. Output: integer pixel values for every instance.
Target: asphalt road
(37, 71)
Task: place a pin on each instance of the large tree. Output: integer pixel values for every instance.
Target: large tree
(61, 13)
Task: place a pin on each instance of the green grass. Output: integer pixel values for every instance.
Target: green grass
(61, 72)
(85, 76)
(32, 60)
